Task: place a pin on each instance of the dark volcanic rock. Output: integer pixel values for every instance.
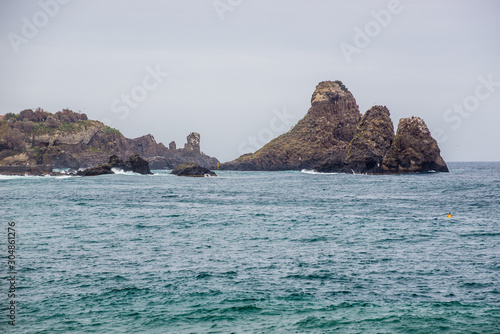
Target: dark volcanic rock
(333, 165)
(138, 165)
(192, 169)
(94, 171)
(413, 149)
(146, 146)
(371, 141)
(134, 164)
(324, 133)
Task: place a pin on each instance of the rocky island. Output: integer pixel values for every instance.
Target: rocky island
(192, 169)
(334, 137)
(134, 164)
(35, 141)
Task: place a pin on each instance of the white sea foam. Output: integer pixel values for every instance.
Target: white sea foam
(313, 172)
(10, 177)
(60, 170)
(161, 172)
(122, 172)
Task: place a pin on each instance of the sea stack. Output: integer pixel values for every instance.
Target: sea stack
(371, 142)
(333, 137)
(193, 143)
(413, 149)
(324, 132)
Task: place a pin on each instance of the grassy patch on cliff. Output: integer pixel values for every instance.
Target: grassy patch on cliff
(40, 128)
(342, 86)
(110, 131)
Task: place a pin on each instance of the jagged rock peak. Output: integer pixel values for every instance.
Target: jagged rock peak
(415, 123)
(323, 133)
(413, 149)
(329, 91)
(372, 140)
(193, 142)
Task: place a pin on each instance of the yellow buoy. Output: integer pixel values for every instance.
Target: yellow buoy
(449, 215)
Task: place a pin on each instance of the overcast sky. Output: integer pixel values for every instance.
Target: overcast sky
(241, 71)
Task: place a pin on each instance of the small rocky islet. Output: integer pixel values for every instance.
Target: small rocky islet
(192, 169)
(332, 137)
(134, 164)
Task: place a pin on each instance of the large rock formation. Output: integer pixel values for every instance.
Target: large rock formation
(375, 150)
(69, 140)
(324, 132)
(413, 149)
(372, 140)
(147, 146)
(333, 137)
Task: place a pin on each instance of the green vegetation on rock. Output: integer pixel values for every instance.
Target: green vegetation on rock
(342, 86)
(110, 131)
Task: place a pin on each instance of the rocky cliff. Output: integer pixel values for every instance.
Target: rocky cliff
(376, 150)
(324, 132)
(69, 140)
(372, 140)
(413, 149)
(333, 137)
(190, 153)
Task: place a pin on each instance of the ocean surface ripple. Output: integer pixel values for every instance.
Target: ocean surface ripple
(256, 252)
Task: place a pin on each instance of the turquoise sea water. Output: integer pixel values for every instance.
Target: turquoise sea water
(255, 252)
